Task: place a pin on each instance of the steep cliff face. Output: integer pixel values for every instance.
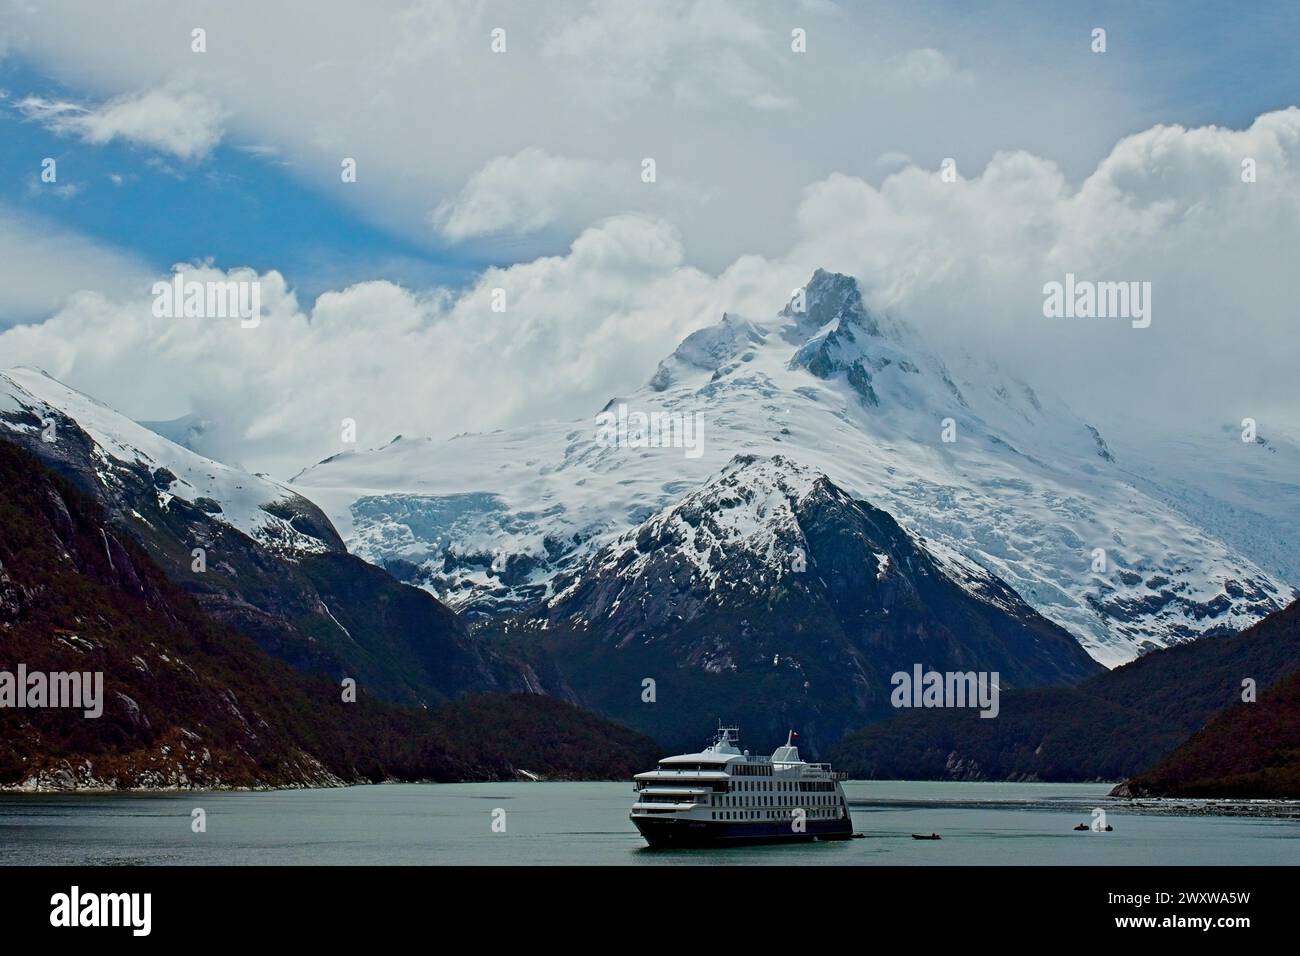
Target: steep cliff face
(183, 704)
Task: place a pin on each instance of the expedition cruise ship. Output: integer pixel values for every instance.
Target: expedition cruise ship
(724, 796)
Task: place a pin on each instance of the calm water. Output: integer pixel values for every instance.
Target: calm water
(565, 823)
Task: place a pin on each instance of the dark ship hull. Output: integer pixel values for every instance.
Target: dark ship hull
(675, 832)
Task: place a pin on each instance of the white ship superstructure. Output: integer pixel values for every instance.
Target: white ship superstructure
(725, 795)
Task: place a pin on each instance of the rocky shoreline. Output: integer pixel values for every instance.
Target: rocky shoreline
(1208, 807)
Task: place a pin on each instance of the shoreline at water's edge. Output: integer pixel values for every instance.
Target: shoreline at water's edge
(92, 791)
(1216, 807)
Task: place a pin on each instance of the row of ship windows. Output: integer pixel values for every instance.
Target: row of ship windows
(773, 814)
(785, 786)
(764, 801)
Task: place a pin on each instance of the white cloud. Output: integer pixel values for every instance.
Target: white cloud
(528, 192)
(967, 261)
(964, 261)
(716, 54)
(393, 359)
(184, 124)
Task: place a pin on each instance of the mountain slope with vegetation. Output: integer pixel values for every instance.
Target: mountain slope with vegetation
(1251, 750)
(1108, 728)
(190, 702)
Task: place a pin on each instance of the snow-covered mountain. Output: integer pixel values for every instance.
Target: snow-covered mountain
(773, 596)
(983, 467)
(34, 404)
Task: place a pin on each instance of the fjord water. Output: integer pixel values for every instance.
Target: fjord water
(587, 823)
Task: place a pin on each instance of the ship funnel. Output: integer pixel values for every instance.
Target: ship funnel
(788, 753)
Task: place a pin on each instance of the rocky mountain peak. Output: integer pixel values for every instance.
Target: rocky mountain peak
(828, 297)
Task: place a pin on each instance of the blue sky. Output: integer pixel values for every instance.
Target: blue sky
(234, 207)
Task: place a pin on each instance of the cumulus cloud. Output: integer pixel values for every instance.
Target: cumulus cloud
(965, 262)
(395, 360)
(184, 124)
